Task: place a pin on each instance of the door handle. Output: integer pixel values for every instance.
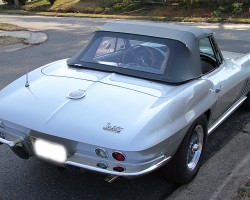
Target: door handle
(217, 90)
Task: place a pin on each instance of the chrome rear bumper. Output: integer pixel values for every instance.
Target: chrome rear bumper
(139, 170)
(19, 143)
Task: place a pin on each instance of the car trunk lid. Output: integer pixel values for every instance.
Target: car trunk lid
(61, 69)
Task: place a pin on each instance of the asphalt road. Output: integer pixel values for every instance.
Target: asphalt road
(34, 179)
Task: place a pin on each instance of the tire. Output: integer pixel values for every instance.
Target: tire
(187, 160)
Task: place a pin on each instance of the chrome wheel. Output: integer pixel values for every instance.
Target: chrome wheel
(195, 147)
(187, 160)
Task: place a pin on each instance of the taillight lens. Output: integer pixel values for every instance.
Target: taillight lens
(119, 169)
(101, 153)
(118, 156)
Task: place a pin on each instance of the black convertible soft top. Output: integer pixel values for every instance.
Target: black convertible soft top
(184, 60)
(185, 34)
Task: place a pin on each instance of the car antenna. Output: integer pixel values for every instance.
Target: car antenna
(27, 75)
(27, 80)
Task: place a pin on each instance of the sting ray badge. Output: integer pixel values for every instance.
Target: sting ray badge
(114, 129)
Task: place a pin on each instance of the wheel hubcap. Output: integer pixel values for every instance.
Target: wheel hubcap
(195, 147)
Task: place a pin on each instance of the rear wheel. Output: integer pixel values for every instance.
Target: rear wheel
(186, 162)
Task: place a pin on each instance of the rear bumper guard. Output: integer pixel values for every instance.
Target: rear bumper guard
(15, 138)
(10, 143)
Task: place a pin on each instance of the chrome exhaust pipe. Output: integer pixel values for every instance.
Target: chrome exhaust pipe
(111, 178)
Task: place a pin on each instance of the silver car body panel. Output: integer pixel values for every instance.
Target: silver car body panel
(144, 119)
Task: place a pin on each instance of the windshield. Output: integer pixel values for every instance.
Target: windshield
(128, 51)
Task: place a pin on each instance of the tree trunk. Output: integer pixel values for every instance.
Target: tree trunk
(16, 4)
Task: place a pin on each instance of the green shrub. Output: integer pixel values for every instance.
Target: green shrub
(237, 8)
(229, 9)
(221, 10)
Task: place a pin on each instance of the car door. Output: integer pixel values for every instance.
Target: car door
(224, 75)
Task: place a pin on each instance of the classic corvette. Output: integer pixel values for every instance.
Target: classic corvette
(138, 96)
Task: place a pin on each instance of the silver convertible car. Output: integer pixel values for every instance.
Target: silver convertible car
(139, 96)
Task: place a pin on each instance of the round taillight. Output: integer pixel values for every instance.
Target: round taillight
(119, 169)
(118, 156)
(101, 153)
(102, 165)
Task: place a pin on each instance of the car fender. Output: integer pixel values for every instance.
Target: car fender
(169, 126)
(244, 61)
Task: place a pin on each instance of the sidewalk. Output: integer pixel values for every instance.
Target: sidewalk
(31, 38)
(223, 174)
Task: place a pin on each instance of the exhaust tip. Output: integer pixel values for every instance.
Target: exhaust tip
(111, 178)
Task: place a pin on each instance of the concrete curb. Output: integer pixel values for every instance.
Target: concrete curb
(221, 176)
(13, 47)
(31, 38)
(36, 38)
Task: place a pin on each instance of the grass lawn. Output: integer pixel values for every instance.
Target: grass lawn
(10, 27)
(93, 9)
(244, 192)
(7, 40)
(37, 5)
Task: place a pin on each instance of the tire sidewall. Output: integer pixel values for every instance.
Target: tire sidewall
(177, 170)
(190, 174)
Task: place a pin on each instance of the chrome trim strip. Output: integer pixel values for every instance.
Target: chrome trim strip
(132, 174)
(226, 115)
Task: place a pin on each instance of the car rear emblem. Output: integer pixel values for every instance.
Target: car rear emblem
(78, 94)
(114, 129)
